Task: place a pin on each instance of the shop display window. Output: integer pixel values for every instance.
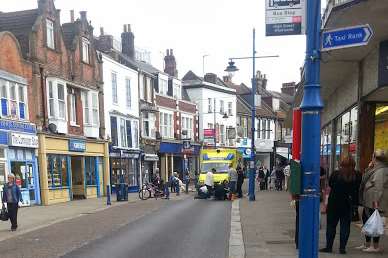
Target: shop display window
(57, 171)
(90, 170)
(346, 135)
(381, 127)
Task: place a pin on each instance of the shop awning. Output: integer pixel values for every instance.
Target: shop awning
(151, 157)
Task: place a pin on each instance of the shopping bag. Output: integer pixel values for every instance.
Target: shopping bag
(4, 213)
(374, 226)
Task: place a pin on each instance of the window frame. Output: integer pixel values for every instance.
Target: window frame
(73, 109)
(163, 86)
(50, 34)
(115, 99)
(128, 92)
(90, 108)
(53, 84)
(85, 50)
(230, 108)
(210, 105)
(166, 125)
(222, 107)
(19, 101)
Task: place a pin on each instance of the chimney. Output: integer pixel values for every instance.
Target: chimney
(83, 16)
(211, 78)
(101, 31)
(170, 63)
(128, 42)
(227, 79)
(71, 16)
(289, 88)
(42, 5)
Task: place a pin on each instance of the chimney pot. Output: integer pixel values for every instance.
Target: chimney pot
(83, 15)
(71, 16)
(125, 28)
(129, 27)
(167, 52)
(101, 31)
(171, 52)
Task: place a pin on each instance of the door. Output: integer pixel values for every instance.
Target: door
(77, 178)
(23, 172)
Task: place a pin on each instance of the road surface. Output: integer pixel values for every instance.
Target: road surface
(189, 228)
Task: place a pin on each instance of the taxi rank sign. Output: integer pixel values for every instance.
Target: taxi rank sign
(285, 17)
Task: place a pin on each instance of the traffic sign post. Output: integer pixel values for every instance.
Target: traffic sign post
(346, 37)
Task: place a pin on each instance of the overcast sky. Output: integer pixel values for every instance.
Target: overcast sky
(193, 28)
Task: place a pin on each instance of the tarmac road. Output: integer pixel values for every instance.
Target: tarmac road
(185, 229)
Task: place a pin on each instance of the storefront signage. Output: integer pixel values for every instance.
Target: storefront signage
(207, 133)
(23, 140)
(17, 126)
(285, 17)
(186, 144)
(77, 145)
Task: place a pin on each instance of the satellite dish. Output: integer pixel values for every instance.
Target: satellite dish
(52, 128)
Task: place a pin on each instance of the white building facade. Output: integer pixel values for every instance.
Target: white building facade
(216, 107)
(121, 112)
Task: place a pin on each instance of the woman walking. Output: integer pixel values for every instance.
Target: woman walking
(374, 194)
(12, 196)
(339, 207)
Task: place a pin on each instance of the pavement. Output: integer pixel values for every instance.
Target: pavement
(268, 226)
(36, 217)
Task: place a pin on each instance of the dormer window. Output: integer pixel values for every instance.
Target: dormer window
(85, 50)
(163, 87)
(50, 34)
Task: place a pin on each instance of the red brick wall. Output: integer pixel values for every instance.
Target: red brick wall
(165, 102)
(11, 60)
(187, 107)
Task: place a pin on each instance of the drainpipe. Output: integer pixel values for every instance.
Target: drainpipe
(44, 97)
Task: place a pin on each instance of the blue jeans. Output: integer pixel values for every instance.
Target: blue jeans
(232, 187)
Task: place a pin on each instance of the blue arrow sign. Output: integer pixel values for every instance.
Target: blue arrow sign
(346, 37)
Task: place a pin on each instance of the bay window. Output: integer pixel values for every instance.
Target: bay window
(90, 106)
(187, 124)
(166, 125)
(56, 99)
(13, 99)
(73, 111)
(163, 87)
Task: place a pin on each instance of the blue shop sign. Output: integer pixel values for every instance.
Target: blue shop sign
(176, 148)
(245, 152)
(17, 126)
(77, 145)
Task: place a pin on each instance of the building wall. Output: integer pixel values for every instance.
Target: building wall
(122, 72)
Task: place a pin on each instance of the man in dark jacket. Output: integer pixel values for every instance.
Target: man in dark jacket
(12, 197)
(240, 181)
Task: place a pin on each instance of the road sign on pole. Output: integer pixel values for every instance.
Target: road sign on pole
(346, 37)
(285, 17)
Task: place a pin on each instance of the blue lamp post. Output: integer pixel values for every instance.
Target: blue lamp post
(231, 68)
(310, 153)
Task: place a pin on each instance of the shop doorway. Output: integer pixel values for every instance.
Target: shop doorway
(77, 178)
(23, 172)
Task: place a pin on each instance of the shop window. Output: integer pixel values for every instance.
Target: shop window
(57, 171)
(2, 173)
(381, 127)
(90, 170)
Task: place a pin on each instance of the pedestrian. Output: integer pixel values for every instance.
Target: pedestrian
(187, 181)
(240, 181)
(166, 190)
(176, 183)
(172, 183)
(232, 174)
(266, 178)
(374, 194)
(209, 182)
(12, 198)
(272, 179)
(261, 178)
(279, 179)
(286, 172)
(339, 208)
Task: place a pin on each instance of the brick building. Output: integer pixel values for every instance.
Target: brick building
(66, 104)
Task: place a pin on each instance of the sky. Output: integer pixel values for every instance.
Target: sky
(193, 28)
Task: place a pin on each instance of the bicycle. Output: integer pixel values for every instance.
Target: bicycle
(149, 190)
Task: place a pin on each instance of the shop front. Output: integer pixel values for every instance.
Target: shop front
(175, 158)
(72, 168)
(149, 160)
(125, 168)
(18, 145)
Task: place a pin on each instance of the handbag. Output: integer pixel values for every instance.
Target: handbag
(4, 213)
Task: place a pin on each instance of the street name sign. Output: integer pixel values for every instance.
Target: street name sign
(285, 17)
(346, 37)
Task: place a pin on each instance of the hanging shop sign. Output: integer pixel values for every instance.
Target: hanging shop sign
(207, 133)
(285, 17)
(77, 145)
(23, 140)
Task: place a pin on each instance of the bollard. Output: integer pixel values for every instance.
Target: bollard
(108, 195)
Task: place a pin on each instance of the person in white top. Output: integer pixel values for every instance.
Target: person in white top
(209, 181)
(287, 174)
